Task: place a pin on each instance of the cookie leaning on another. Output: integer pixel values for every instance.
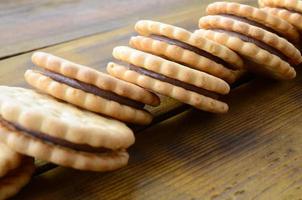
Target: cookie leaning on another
(91, 89)
(256, 35)
(38, 125)
(15, 171)
(181, 46)
(290, 11)
(171, 79)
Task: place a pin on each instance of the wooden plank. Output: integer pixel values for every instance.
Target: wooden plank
(94, 51)
(253, 152)
(28, 25)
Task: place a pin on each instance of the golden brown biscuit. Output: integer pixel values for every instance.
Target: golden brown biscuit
(168, 78)
(38, 125)
(289, 10)
(181, 46)
(249, 32)
(91, 89)
(256, 17)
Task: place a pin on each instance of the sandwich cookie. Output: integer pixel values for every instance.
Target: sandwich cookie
(15, 171)
(289, 10)
(254, 34)
(38, 125)
(90, 89)
(255, 17)
(181, 46)
(168, 78)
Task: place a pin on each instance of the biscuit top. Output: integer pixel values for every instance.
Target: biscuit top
(148, 28)
(39, 112)
(294, 5)
(171, 69)
(279, 25)
(9, 159)
(219, 22)
(94, 77)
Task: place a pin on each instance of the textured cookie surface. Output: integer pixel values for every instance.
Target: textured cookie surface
(87, 100)
(171, 69)
(16, 179)
(93, 77)
(164, 88)
(292, 17)
(292, 54)
(271, 63)
(147, 28)
(43, 113)
(31, 146)
(9, 159)
(183, 56)
(255, 14)
(289, 4)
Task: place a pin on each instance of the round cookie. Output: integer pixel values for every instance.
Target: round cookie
(171, 79)
(38, 125)
(15, 171)
(91, 89)
(255, 17)
(181, 46)
(266, 52)
(289, 10)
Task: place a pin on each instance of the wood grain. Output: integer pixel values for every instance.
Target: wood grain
(254, 152)
(94, 51)
(28, 25)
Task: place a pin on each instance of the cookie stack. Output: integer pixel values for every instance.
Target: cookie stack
(90, 89)
(38, 125)
(171, 61)
(289, 10)
(264, 41)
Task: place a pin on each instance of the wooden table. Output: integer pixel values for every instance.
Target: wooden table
(253, 152)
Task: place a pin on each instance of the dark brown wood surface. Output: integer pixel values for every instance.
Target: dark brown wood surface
(253, 152)
(28, 25)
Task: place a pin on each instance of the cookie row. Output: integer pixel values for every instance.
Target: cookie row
(40, 126)
(77, 122)
(194, 67)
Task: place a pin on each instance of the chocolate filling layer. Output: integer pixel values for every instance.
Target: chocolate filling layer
(172, 81)
(256, 42)
(253, 23)
(291, 10)
(52, 140)
(192, 48)
(92, 89)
